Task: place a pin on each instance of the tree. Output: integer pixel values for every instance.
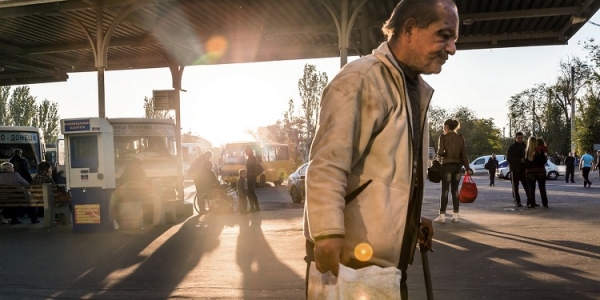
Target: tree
(311, 87)
(21, 107)
(149, 111)
(4, 94)
(298, 129)
(190, 137)
(47, 119)
(437, 116)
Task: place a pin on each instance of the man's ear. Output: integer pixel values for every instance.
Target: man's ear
(409, 26)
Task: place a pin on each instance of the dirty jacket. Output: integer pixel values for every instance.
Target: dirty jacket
(365, 133)
(451, 147)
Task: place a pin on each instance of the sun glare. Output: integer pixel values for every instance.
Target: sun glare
(223, 108)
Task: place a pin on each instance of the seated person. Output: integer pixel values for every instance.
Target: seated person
(133, 188)
(8, 176)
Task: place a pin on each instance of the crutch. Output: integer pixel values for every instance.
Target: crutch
(425, 261)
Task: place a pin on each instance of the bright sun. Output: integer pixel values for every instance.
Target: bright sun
(222, 109)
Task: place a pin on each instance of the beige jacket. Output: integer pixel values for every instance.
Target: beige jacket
(364, 133)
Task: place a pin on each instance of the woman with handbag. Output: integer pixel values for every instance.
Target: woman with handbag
(453, 152)
(535, 170)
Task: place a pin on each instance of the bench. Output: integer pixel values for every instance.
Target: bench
(38, 195)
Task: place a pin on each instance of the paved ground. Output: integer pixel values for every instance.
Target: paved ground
(497, 251)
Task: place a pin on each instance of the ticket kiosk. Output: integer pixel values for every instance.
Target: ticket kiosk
(90, 172)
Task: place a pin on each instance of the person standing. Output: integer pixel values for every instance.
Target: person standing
(251, 173)
(570, 166)
(21, 165)
(453, 152)
(585, 165)
(242, 192)
(516, 160)
(371, 146)
(491, 166)
(535, 170)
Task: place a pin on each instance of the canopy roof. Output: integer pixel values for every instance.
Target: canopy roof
(44, 40)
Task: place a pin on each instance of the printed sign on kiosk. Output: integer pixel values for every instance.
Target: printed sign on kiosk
(90, 172)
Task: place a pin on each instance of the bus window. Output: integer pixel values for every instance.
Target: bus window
(28, 139)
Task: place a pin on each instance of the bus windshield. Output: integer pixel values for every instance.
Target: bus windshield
(29, 142)
(146, 148)
(235, 154)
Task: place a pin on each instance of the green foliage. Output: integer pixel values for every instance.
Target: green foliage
(149, 111)
(480, 135)
(310, 88)
(4, 94)
(298, 129)
(48, 120)
(545, 111)
(21, 107)
(437, 116)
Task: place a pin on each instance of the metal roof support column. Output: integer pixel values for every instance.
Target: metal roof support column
(343, 23)
(100, 47)
(177, 74)
(100, 62)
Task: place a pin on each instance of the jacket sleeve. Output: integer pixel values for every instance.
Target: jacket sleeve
(441, 146)
(352, 109)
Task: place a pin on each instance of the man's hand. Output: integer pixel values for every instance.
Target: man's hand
(426, 244)
(328, 254)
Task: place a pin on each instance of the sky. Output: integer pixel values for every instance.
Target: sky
(222, 102)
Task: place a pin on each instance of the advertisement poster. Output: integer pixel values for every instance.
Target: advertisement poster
(87, 213)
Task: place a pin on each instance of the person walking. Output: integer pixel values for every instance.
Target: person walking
(535, 170)
(516, 164)
(371, 146)
(585, 165)
(570, 166)
(491, 165)
(252, 168)
(453, 153)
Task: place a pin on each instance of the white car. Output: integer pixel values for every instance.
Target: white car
(552, 170)
(477, 165)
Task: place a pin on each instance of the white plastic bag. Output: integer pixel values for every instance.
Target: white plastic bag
(367, 283)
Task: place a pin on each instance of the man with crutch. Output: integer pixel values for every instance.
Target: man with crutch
(373, 127)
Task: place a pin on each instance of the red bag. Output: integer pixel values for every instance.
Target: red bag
(468, 190)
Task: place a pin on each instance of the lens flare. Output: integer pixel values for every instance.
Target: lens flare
(363, 252)
(215, 48)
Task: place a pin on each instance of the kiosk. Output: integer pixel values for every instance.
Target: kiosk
(90, 172)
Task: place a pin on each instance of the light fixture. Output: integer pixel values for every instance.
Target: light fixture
(467, 21)
(577, 20)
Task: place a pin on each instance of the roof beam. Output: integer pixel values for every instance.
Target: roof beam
(123, 42)
(521, 14)
(56, 7)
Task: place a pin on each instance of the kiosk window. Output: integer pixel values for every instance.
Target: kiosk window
(84, 151)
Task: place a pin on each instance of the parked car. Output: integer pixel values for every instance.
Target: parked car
(477, 165)
(552, 170)
(295, 184)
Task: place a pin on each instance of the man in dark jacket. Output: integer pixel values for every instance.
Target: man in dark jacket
(516, 162)
(570, 164)
(21, 165)
(251, 174)
(491, 166)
